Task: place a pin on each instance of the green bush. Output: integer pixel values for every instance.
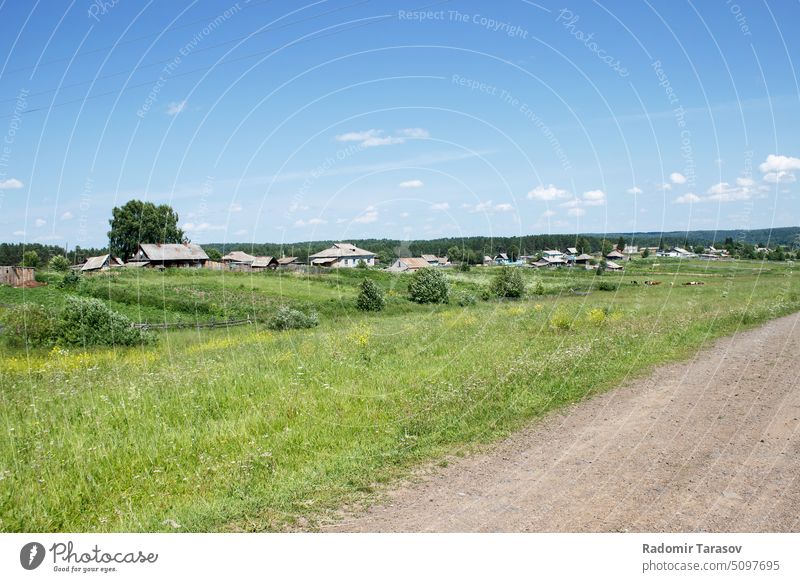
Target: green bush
(70, 280)
(30, 259)
(89, 322)
(429, 286)
(29, 324)
(370, 296)
(288, 318)
(465, 267)
(508, 282)
(464, 298)
(59, 263)
(538, 289)
(606, 286)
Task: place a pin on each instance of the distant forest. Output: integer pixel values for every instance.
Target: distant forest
(471, 249)
(11, 253)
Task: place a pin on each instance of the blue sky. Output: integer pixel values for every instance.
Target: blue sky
(271, 121)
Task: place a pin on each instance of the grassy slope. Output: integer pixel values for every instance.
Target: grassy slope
(247, 429)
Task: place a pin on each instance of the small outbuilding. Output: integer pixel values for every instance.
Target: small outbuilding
(409, 264)
(17, 276)
(101, 263)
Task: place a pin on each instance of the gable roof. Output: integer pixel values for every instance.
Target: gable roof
(414, 262)
(286, 260)
(340, 250)
(94, 263)
(174, 252)
(239, 257)
(264, 261)
(572, 250)
(431, 258)
(583, 257)
(615, 255)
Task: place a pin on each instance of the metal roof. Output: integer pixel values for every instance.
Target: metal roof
(239, 257)
(174, 252)
(339, 250)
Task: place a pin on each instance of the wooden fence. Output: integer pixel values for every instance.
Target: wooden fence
(195, 325)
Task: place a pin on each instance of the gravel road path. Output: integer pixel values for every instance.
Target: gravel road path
(712, 444)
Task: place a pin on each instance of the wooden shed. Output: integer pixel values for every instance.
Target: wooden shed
(17, 276)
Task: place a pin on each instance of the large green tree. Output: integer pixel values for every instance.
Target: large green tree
(142, 222)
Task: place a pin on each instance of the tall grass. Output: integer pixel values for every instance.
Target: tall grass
(251, 429)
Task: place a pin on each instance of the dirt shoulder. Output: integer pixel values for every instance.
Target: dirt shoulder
(712, 444)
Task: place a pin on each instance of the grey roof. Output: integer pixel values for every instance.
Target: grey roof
(136, 264)
(572, 250)
(583, 257)
(340, 250)
(95, 263)
(239, 257)
(613, 266)
(264, 261)
(174, 252)
(615, 255)
(286, 260)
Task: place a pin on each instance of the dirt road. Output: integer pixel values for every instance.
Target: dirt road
(712, 444)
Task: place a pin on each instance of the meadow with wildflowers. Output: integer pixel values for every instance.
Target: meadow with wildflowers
(254, 429)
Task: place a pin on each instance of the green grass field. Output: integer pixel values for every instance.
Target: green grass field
(246, 429)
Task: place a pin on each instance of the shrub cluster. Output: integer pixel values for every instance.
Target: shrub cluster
(29, 324)
(508, 282)
(59, 263)
(370, 296)
(87, 322)
(288, 318)
(429, 286)
(82, 322)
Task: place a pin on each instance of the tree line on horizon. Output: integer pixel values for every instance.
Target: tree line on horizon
(138, 222)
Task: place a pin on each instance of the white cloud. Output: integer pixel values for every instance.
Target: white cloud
(724, 192)
(411, 184)
(576, 212)
(548, 213)
(310, 222)
(547, 193)
(19, 233)
(634, 190)
(688, 198)
(414, 132)
(175, 107)
(677, 178)
(488, 206)
(10, 184)
(440, 206)
(665, 186)
(39, 222)
(780, 177)
(775, 163)
(201, 227)
(377, 137)
(571, 203)
(405, 214)
(594, 198)
(67, 216)
(745, 182)
(241, 232)
(369, 215)
(235, 207)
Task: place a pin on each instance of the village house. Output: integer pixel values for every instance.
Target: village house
(676, 252)
(261, 263)
(409, 264)
(615, 255)
(550, 262)
(101, 263)
(435, 261)
(501, 259)
(238, 260)
(583, 259)
(612, 266)
(169, 255)
(287, 261)
(342, 255)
